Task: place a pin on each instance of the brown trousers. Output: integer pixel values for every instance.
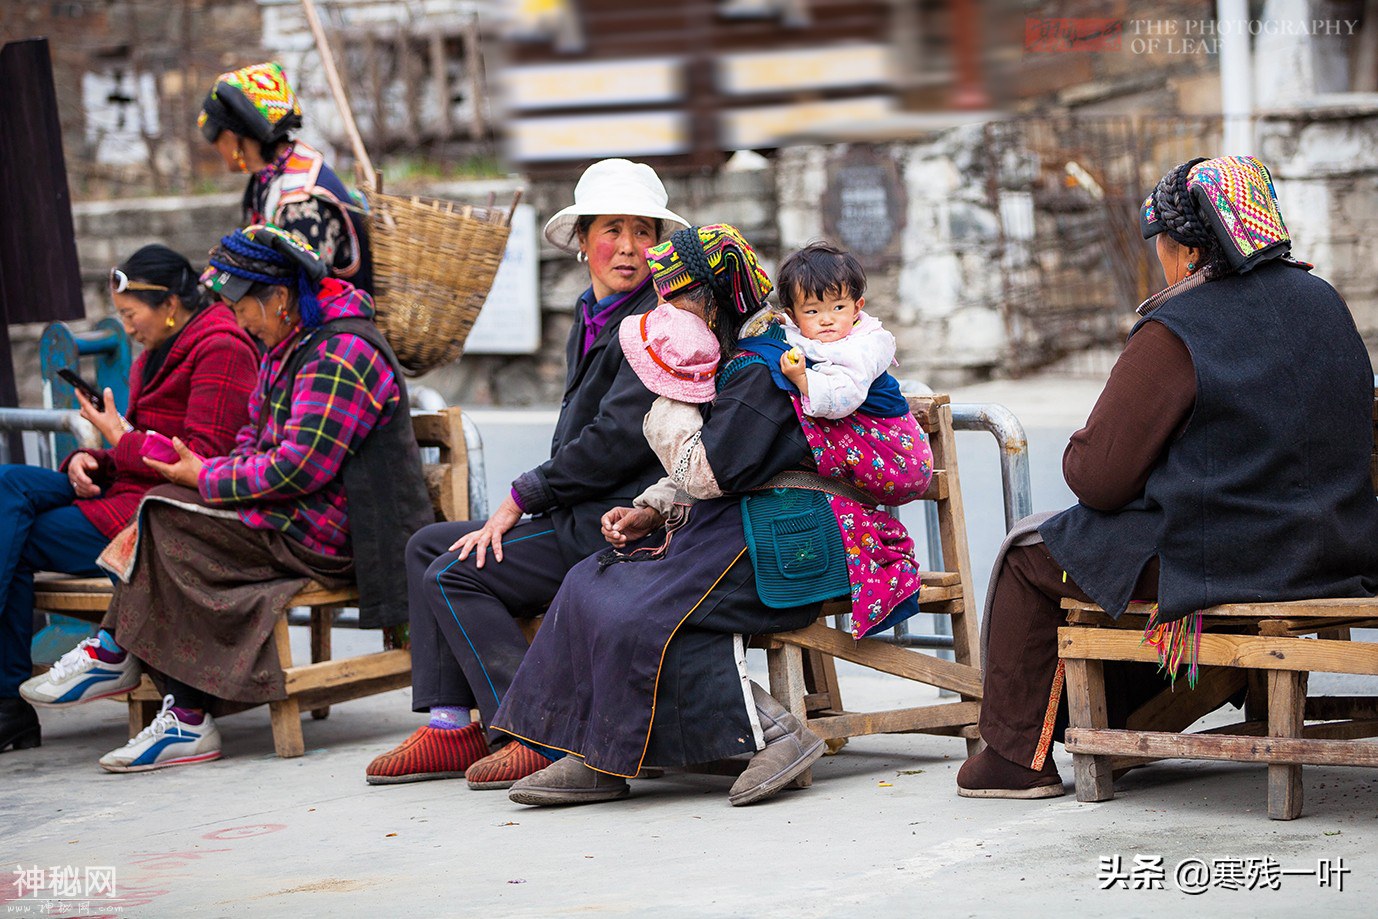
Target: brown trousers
(1023, 710)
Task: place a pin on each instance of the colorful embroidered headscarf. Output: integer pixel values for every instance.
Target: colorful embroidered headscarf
(1231, 198)
(265, 254)
(254, 101)
(714, 255)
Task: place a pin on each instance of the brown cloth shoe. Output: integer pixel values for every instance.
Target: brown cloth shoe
(429, 753)
(501, 769)
(568, 781)
(989, 775)
(790, 749)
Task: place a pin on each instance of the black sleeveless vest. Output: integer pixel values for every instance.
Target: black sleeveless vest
(1266, 495)
(385, 488)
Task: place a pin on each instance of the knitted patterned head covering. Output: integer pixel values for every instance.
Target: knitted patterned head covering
(715, 255)
(254, 101)
(265, 254)
(1229, 200)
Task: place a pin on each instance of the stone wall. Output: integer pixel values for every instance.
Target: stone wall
(941, 297)
(964, 246)
(1324, 159)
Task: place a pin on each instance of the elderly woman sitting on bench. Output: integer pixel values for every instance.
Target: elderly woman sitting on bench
(1226, 461)
(327, 470)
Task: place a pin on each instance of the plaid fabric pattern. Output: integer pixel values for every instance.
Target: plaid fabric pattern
(286, 475)
(200, 394)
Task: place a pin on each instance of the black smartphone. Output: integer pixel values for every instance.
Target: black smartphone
(90, 392)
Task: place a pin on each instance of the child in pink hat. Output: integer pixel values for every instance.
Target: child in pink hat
(675, 355)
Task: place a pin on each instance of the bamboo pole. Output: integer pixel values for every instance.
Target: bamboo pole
(363, 166)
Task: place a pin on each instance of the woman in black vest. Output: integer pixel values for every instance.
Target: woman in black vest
(467, 581)
(326, 471)
(1226, 461)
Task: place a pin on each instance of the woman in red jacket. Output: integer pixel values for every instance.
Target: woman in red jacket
(192, 381)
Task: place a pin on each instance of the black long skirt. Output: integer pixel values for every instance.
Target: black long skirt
(636, 664)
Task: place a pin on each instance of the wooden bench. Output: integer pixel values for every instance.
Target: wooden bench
(802, 663)
(1266, 650)
(325, 681)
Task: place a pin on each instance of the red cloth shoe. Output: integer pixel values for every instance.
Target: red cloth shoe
(501, 769)
(429, 753)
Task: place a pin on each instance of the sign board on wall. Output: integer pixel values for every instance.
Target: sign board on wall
(767, 125)
(590, 84)
(864, 206)
(581, 137)
(510, 321)
(798, 69)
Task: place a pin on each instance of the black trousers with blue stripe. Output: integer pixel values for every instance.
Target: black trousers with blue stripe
(466, 645)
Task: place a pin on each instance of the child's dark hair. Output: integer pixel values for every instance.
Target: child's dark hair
(817, 270)
(156, 264)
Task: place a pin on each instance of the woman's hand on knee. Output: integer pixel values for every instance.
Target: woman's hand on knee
(628, 524)
(79, 469)
(490, 534)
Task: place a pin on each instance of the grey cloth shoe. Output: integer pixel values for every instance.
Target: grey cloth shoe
(790, 749)
(568, 781)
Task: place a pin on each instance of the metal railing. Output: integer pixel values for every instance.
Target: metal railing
(1016, 489)
(46, 421)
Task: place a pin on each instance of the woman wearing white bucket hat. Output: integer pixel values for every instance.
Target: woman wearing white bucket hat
(466, 644)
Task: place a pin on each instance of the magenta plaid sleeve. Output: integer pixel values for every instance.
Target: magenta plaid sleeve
(292, 481)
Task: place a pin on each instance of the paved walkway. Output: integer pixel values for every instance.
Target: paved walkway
(881, 833)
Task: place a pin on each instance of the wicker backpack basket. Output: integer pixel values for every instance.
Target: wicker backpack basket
(433, 266)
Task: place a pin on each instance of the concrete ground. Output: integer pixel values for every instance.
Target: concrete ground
(881, 832)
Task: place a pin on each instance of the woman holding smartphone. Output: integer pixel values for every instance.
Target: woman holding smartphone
(192, 381)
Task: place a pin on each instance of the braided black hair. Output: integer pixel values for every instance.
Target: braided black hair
(1186, 223)
(715, 288)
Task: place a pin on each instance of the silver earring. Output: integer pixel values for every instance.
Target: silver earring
(580, 257)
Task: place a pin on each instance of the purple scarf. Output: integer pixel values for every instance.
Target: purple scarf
(597, 313)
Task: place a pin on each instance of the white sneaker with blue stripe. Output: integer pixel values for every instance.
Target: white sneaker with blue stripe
(166, 742)
(79, 676)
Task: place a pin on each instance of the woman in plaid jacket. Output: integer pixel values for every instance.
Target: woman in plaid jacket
(191, 381)
(326, 470)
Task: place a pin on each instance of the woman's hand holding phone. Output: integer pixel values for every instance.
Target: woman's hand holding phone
(108, 421)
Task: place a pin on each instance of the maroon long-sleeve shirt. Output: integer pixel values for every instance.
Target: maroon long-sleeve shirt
(1146, 403)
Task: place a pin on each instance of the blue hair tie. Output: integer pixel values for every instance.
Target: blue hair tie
(308, 305)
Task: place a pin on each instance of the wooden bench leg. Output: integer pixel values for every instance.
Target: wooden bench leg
(1286, 714)
(785, 665)
(141, 713)
(286, 714)
(322, 620)
(1086, 709)
(820, 680)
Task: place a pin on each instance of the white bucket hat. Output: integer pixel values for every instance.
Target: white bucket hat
(613, 187)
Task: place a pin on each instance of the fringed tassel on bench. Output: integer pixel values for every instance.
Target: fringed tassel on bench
(1175, 641)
